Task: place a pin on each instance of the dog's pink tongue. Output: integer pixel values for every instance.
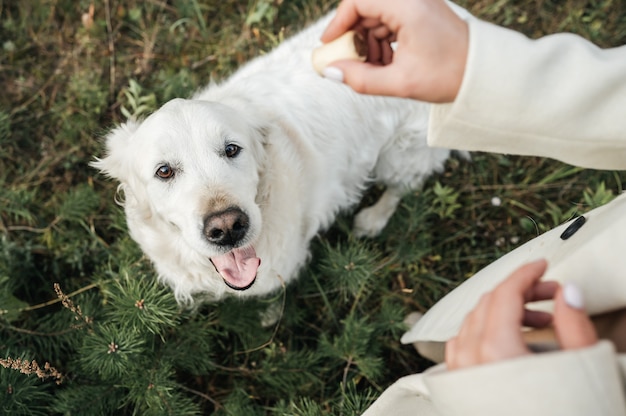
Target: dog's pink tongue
(238, 267)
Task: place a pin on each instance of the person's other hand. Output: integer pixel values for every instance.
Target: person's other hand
(493, 330)
(429, 61)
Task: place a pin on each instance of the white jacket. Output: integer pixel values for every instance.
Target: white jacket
(558, 97)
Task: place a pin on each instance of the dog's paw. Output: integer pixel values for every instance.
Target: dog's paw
(271, 315)
(369, 222)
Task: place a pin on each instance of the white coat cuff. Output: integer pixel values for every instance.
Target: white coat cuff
(577, 382)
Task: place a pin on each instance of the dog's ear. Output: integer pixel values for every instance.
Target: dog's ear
(264, 131)
(116, 163)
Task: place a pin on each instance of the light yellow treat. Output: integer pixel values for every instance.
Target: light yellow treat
(350, 45)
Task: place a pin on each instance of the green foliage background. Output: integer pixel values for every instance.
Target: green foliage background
(114, 340)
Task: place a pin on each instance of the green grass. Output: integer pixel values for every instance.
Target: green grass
(67, 77)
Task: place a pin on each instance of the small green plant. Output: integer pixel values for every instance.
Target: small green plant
(138, 103)
(598, 197)
(5, 134)
(445, 202)
(262, 11)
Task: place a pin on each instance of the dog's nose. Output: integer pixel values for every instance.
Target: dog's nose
(226, 228)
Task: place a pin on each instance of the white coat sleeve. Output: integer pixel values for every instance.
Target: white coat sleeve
(559, 96)
(581, 382)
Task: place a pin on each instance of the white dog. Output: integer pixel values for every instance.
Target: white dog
(224, 191)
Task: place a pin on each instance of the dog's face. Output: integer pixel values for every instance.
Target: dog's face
(190, 174)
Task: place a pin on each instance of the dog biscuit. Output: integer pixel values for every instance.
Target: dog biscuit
(350, 45)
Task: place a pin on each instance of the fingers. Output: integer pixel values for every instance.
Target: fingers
(465, 349)
(571, 323)
(510, 296)
(346, 18)
(523, 278)
(365, 78)
(541, 291)
(378, 49)
(536, 319)
(492, 330)
(480, 341)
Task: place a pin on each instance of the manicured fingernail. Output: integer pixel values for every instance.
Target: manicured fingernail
(333, 73)
(573, 296)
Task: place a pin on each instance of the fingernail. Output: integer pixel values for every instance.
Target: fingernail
(573, 296)
(333, 73)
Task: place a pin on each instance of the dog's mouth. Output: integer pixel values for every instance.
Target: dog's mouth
(238, 267)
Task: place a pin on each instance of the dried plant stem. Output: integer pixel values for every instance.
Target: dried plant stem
(32, 367)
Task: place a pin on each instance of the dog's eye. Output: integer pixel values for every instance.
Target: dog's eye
(165, 172)
(231, 150)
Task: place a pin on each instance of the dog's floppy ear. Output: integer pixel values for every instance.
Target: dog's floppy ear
(116, 163)
(264, 131)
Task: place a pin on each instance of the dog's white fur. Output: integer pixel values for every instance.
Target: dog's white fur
(309, 148)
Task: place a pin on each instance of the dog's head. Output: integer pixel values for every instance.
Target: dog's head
(190, 174)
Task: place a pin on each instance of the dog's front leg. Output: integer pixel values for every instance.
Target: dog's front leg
(370, 221)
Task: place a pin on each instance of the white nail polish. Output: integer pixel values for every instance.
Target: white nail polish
(573, 296)
(333, 73)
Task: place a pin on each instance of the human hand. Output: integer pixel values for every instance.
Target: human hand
(492, 331)
(429, 61)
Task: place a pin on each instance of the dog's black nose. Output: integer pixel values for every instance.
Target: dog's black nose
(226, 228)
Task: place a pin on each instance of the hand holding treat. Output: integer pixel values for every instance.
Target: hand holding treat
(428, 63)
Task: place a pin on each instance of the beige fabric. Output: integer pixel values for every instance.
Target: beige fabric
(535, 385)
(407, 397)
(557, 97)
(581, 382)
